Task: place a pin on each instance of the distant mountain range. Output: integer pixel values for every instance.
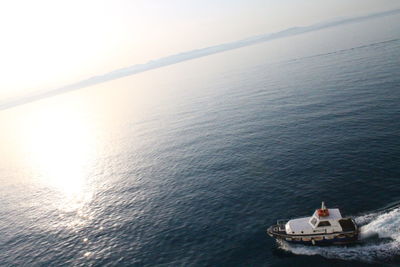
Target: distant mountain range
(173, 59)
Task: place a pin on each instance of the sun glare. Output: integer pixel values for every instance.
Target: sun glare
(59, 147)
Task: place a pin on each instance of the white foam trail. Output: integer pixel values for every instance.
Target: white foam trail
(382, 224)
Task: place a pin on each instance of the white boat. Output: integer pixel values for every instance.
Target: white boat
(324, 227)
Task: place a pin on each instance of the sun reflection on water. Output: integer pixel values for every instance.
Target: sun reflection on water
(60, 147)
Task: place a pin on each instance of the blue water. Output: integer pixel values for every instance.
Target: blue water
(188, 165)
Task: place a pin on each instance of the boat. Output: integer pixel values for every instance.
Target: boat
(324, 227)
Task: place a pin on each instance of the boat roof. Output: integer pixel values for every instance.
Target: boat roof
(334, 214)
(301, 224)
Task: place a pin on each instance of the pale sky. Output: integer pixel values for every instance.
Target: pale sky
(50, 43)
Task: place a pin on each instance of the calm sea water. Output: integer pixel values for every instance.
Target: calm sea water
(187, 165)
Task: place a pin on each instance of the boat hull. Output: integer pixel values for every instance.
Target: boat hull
(342, 238)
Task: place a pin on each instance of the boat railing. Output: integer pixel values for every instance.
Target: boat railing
(281, 224)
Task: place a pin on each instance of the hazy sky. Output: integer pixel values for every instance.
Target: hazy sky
(49, 43)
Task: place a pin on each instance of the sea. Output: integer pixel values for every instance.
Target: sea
(188, 165)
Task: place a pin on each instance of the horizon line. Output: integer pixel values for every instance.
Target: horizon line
(186, 56)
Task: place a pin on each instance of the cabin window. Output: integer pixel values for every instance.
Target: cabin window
(324, 223)
(313, 221)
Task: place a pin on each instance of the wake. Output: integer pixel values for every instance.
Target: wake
(379, 235)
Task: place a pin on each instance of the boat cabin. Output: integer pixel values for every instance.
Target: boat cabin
(322, 221)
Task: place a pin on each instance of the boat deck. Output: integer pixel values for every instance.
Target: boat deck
(347, 225)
